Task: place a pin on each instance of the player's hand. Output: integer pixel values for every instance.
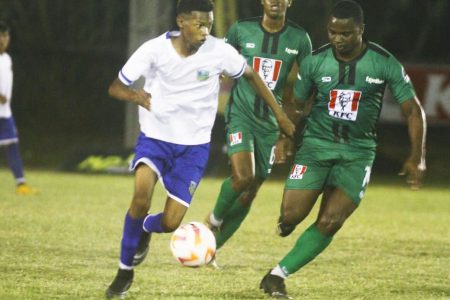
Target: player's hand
(143, 99)
(284, 148)
(286, 125)
(2, 99)
(414, 173)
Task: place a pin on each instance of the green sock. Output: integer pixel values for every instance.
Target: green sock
(310, 244)
(225, 200)
(231, 222)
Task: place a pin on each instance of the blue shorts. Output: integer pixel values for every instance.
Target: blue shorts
(179, 167)
(8, 131)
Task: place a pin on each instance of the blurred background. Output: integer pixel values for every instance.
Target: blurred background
(66, 53)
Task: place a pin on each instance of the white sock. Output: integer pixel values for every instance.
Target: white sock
(214, 221)
(277, 271)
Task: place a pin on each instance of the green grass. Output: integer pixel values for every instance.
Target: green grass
(64, 244)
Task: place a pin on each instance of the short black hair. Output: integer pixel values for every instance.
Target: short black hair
(347, 9)
(188, 6)
(4, 26)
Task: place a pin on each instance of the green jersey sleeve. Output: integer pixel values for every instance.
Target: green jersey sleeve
(398, 81)
(305, 49)
(304, 83)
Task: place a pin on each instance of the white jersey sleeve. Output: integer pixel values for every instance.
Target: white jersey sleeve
(140, 63)
(234, 64)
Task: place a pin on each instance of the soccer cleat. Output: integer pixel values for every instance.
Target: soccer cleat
(120, 285)
(274, 286)
(284, 229)
(24, 189)
(143, 248)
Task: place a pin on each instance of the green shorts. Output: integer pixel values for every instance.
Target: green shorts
(344, 167)
(243, 138)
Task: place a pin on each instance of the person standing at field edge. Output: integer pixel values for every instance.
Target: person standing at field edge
(274, 47)
(177, 108)
(349, 76)
(8, 131)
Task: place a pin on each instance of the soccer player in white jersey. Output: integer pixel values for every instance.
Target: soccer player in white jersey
(177, 108)
(8, 132)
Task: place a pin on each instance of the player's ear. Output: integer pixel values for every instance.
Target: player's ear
(362, 27)
(180, 21)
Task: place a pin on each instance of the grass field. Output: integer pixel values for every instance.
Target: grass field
(64, 244)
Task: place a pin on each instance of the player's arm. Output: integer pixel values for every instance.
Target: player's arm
(123, 92)
(263, 91)
(414, 167)
(2, 99)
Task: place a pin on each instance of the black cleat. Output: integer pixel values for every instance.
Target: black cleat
(274, 286)
(143, 248)
(284, 229)
(120, 285)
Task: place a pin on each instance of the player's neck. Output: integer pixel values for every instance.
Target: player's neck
(181, 47)
(272, 25)
(359, 49)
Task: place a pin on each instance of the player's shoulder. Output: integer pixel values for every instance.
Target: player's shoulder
(215, 44)
(5, 59)
(322, 50)
(291, 25)
(249, 21)
(376, 49)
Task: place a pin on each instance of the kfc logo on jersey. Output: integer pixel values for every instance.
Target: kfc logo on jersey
(298, 171)
(235, 138)
(268, 69)
(344, 104)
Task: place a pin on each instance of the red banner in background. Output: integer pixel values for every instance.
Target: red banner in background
(432, 84)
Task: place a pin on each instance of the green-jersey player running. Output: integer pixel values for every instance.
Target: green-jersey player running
(349, 77)
(273, 46)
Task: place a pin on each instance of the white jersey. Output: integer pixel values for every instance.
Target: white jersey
(184, 90)
(6, 82)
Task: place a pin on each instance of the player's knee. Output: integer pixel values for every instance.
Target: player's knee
(139, 207)
(242, 181)
(329, 225)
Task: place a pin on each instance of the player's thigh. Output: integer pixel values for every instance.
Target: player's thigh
(242, 164)
(297, 204)
(352, 174)
(264, 153)
(336, 205)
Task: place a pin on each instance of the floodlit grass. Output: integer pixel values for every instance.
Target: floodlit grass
(64, 244)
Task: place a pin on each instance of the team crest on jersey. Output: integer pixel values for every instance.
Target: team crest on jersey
(202, 75)
(235, 138)
(298, 171)
(192, 187)
(344, 104)
(268, 69)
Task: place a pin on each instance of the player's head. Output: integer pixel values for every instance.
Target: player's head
(4, 37)
(346, 26)
(276, 9)
(195, 19)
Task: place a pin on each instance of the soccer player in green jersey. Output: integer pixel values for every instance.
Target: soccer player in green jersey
(349, 76)
(273, 46)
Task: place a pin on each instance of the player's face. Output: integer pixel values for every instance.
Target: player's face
(195, 28)
(4, 41)
(276, 9)
(345, 35)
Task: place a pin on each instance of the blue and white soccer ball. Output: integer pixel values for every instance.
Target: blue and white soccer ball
(193, 244)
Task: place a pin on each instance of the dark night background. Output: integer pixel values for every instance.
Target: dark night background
(65, 54)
